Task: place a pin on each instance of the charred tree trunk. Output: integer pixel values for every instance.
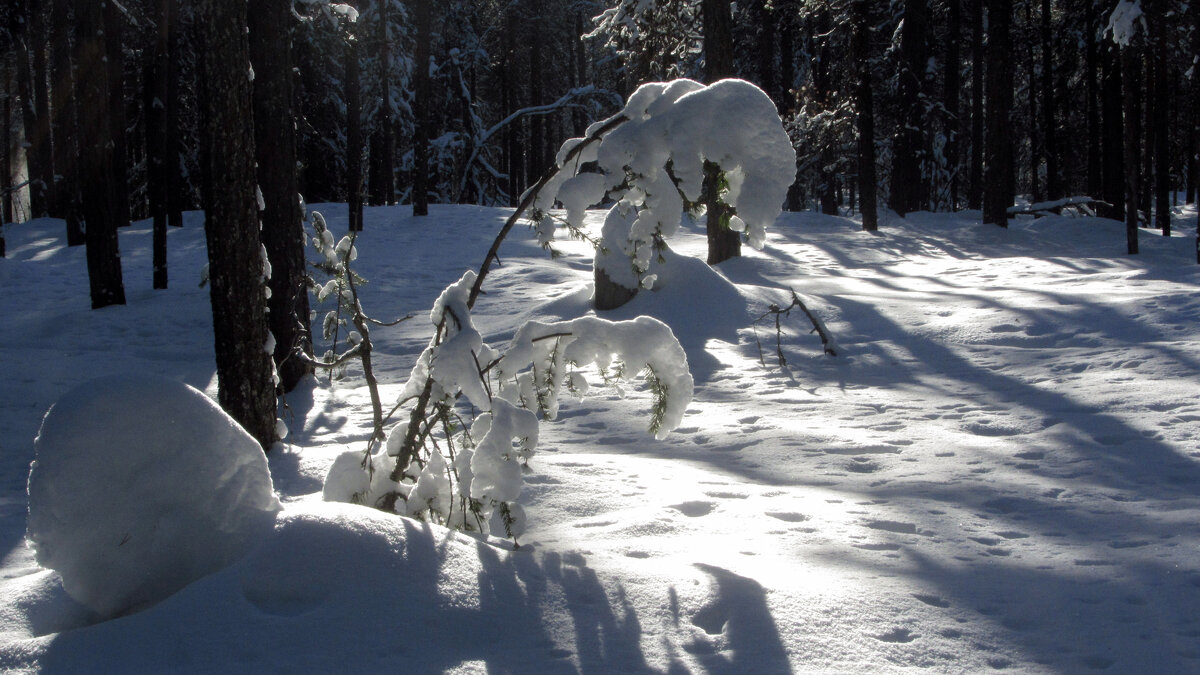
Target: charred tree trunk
(245, 388)
(282, 226)
(100, 214)
(866, 114)
(998, 168)
(64, 125)
(420, 184)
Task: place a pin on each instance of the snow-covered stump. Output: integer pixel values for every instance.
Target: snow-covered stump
(142, 485)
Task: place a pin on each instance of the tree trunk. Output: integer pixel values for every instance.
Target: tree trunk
(1092, 92)
(952, 95)
(420, 186)
(173, 175)
(765, 17)
(1162, 153)
(354, 140)
(1035, 141)
(383, 143)
(157, 140)
(1112, 149)
(866, 114)
(25, 44)
(6, 97)
(282, 225)
(1049, 109)
(906, 189)
(723, 243)
(96, 165)
(63, 124)
(237, 288)
(997, 174)
(975, 182)
(115, 60)
(1131, 67)
(38, 41)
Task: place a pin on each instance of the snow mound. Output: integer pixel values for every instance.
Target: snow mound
(142, 485)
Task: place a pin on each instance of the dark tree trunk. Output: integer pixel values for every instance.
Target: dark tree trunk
(1049, 109)
(764, 19)
(906, 189)
(1112, 149)
(282, 226)
(787, 66)
(96, 165)
(512, 144)
(536, 163)
(975, 182)
(63, 124)
(866, 114)
(952, 95)
(173, 174)
(157, 140)
(383, 141)
(25, 44)
(115, 55)
(354, 139)
(1162, 152)
(723, 243)
(1092, 92)
(420, 185)
(578, 74)
(38, 40)
(1131, 67)
(1148, 141)
(6, 98)
(1035, 141)
(245, 389)
(997, 195)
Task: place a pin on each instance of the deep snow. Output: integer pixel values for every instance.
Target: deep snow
(1000, 471)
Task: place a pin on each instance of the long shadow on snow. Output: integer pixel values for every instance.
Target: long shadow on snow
(299, 599)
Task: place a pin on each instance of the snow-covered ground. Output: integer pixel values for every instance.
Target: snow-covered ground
(1001, 470)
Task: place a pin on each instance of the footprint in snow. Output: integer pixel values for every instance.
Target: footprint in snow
(897, 635)
(694, 509)
(932, 600)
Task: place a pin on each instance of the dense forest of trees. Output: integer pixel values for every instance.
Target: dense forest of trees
(909, 104)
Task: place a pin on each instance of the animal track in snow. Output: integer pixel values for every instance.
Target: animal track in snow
(932, 600)
(899, 635)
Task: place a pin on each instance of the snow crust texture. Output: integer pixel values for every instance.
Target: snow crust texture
(142, 485)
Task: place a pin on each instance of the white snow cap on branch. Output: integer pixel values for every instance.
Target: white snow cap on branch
(1124, 21)
(654, 161)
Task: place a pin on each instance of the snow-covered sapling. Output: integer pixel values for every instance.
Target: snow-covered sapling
(654, 165)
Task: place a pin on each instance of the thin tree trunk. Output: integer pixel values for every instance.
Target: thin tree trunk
(115, 60)
(173, 172)
(765, 18)
(282, 226)
(354, 139)
(1049, 109)
(420, 178)
(237, 288)
(64, 125)
(1112, 133)
(1032, 90)
(6, 97)
(96, 165)
(952, 95)
(1131, 67)
(38, 40)
(975, 183)
(909, 143)
(24, 45)
(157, 140)
(1162, 152)
(998, 165)
(1093, 93)
(866, 114)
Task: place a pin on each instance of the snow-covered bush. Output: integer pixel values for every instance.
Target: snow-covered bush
(142, 485)
(653, 166)
(461, 475)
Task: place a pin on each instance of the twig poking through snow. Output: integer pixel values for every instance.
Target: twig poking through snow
(827, 342)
